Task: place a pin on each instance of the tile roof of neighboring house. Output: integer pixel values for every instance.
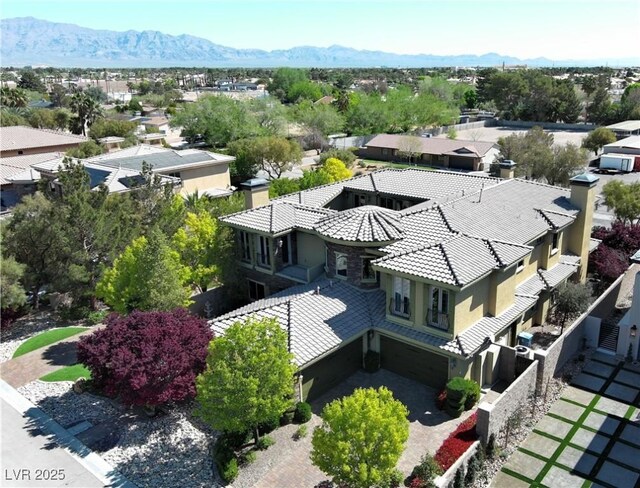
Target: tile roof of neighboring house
(631, 142)
(457, 261)
(280, 216)
(19, 166)
(438, 186)
(316, 323)
(510, 211)
(20, 137)
(625, 125)
(432, 145)
(362, 224)
(472, 338)
(314, 197)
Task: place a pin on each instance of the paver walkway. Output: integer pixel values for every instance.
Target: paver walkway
(589, 438)
(35, 364)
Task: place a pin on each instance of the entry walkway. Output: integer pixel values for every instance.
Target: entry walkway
(589, 438)
(35, 364)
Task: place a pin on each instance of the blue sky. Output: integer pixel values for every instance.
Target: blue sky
(556, 29)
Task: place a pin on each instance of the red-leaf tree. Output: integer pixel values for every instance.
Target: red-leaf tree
(147, 358)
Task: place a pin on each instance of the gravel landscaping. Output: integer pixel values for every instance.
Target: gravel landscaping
(167, 451)
(22, 329)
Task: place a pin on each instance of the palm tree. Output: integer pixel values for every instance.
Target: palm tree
(87, 110)
(14, 97)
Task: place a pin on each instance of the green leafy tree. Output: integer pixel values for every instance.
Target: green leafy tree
(313, 178)
(571, 300)
(304, 90)
(58, 96)
(37, 240)
(11, 117)
(96, 93)
(470, 99)
(532, 151)
(336, 170)
(196, 245)
(630, 103)
(276, 154)
(111, 127)
(598, 138)
(345, 155)
(217, 119)
(85, 150)
(361, 438)
(12, 294)
(248, 379)
(599, 110)
(30, 80)
(147, 276)
(283, 186)
(270, 114)
(282, 81)
(624, 199)
(568, 160)
(320, 121)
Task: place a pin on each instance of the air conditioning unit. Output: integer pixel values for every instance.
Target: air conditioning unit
(523, 351)
(525, 339)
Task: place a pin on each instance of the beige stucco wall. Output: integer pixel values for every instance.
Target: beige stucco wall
(583, 197)
(502, 292)
(531, 264)
(205, 177)
(472, 304)
(311, 250)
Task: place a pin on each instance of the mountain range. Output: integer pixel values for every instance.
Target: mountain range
(28, 41)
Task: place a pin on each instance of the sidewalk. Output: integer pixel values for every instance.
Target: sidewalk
(35, 364)
(39, 452)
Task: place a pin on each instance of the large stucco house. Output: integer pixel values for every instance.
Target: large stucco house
(428, 268)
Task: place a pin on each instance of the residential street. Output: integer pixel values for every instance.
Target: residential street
(29, 458)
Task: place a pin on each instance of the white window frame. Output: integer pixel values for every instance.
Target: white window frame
(521, 266)
(555, 242)
(401, 297)
(342, 256)
(255, 283)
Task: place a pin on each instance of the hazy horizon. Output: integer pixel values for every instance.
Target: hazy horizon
(557, 30)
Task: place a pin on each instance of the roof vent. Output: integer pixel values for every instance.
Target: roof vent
(317, 290)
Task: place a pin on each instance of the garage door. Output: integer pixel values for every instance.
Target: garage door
(329, 372)
(417, 364)
(461, 163)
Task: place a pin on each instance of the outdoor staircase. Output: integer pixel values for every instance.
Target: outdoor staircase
(608, 336)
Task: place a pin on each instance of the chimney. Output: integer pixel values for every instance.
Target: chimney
(507, 169)
(583, 195)
(256, 192)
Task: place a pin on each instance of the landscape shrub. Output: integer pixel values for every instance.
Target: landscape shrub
(234, 440)
(74, 312)
(395, 479)
(473, 394)
(268, 426)
(229, 470)
(345, 155)
(287, 417)
(372, 361)
(302, 413)
(147, 358)
(95, 318)
(458, 480)
(248, 457)
(425, 472)
(300, 433)
(457, 443)
(491, 447)
(461, 394)
(472, 471)
(264, 443)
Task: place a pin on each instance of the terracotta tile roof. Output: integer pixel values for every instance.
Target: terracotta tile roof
(20, 137)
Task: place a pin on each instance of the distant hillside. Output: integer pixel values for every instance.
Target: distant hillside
(29, 41)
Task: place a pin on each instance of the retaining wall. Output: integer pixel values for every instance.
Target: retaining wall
(216, 299)
(493, 416)
(521, 124)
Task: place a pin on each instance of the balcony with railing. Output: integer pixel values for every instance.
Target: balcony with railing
(437, 319)
(300, 273)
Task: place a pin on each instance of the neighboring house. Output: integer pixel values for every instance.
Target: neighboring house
(628, 145)
(18, 178)
(626, 128)
(202, 171)
(426, 268)
(115, 179)
(19, 140)
(457, 154)
(111, 143)
(153, 124)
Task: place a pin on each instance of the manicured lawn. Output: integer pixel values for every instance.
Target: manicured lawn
(69, 373)
(383, 164)
(46, 338)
